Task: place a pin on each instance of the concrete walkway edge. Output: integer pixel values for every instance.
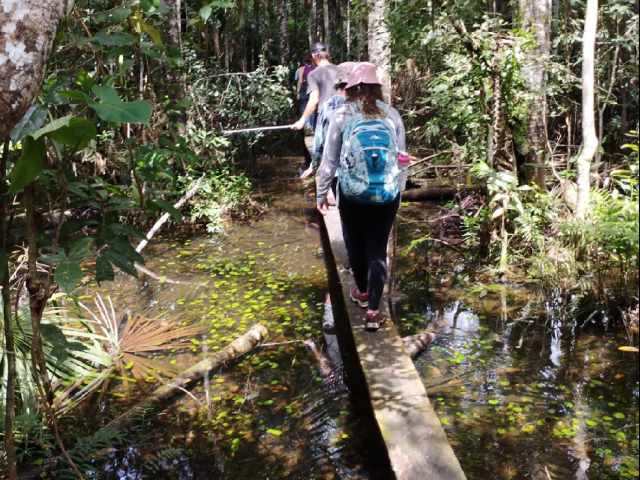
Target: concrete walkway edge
(416, 443)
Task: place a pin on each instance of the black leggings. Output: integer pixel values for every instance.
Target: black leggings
(368, 228)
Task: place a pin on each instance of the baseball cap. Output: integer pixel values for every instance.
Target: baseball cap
(362, 72)
(342, 73)
(318, 47)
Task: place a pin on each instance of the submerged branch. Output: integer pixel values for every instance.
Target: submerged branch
(238, 347)
(166, 216)
(162, 278)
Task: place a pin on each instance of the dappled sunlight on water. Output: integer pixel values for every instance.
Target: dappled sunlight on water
(522, 387)
(272, 413)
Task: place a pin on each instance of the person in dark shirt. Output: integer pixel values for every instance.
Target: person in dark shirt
(320, 83)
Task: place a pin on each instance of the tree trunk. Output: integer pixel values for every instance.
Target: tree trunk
(379, 51)
(266, 36)
(26, 37)
(176, 80)
(612, 82)
(536, 15)
(313, 22)
(9, 344)
(283, 40)
(589, 138)
(325, 23)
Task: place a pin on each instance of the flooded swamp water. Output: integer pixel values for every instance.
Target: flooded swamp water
(523, 387)
(280, 411)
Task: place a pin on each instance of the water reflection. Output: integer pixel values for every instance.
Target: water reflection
(523, 389)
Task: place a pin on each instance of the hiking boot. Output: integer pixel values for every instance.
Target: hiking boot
(361, 299)
(373, 321)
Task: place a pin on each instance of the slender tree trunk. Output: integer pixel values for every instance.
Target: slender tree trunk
(313, 22)
(612, 82)
(333, 19)
(589, 138)
(176, 79)
(266, 36)
(325, 18)
(9, 344)
(537, 15)
(348, 30)
(216, 44)
(379, 50)
(283, 40)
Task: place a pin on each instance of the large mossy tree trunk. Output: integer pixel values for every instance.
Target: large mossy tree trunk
(26, 38)
(536, 15)
(378, 45)
(27, 35)
(589, 137)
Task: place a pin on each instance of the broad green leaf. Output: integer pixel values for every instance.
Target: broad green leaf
(205, 12)
(275, 432)
(30, 163)
(141, 26)
(221, 4)
(120, 228)
(56, 338)
(112, 109)
(67, 275)
(77, 134)
(120, 38)
(113, 16)
(79, 250)
(75, 94)
(104, 270)
(51, 258)
(120, 261)
(32, 121)
(170, 209)
(124, 248)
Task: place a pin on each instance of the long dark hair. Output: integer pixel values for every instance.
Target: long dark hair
(366, 94)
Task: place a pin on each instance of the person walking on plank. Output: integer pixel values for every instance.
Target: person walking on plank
(363, 142)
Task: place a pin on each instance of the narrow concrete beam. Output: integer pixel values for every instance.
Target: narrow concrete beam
(417, 445)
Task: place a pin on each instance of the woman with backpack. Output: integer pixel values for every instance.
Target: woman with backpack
(363, 142)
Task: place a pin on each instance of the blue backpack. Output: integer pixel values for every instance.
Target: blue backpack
(368, 168)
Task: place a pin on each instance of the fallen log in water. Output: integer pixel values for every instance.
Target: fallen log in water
(238, 347)
(415, 344)
(439, 193)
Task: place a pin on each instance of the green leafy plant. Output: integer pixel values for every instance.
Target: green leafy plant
(72, 351)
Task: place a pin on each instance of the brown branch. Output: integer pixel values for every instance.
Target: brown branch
(86, 30)
(422, 160)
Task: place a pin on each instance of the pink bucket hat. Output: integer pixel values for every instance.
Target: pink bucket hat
(362, 72)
